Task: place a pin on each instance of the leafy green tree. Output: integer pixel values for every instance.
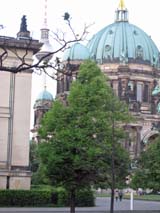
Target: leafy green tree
(37, 168)
(148, 172)
(33, 157)
(121, 168)
(81, 137)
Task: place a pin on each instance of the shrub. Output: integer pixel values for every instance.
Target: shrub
(44, 197)
(85, 197)
(63, 197)
(25, 198)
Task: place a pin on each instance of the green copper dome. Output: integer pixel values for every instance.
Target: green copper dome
(76, 52)
(123, 42)
(45, 95)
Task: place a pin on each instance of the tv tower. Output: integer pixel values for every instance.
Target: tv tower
(45, 99)
(47, 47)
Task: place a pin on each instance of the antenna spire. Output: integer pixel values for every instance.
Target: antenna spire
(45, 13)
(47, 47)
(45, 30)
(121, 5)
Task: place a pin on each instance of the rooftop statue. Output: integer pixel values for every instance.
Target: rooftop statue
(23, 33)
(156, 90)
(23, 27)
(158, 107)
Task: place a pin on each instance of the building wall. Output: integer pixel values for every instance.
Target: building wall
(15, 105)
(15, 96)
(21, 119)
(4, 117)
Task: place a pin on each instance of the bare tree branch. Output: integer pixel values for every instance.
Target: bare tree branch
(23, 65)
(3, 56)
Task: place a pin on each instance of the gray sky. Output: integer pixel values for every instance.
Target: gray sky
(143, 13)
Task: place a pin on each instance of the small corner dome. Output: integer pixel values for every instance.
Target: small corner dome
(45, 95)
(76, 52)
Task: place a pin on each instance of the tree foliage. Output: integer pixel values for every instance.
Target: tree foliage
(148, 172)
(121, 167)
(36, 167)
(79, 147)
(33, 156)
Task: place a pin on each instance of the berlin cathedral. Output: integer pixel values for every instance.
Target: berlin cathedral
(131, 60)
(123, 51)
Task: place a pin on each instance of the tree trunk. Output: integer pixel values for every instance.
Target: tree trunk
(112, 201)
(72, 201)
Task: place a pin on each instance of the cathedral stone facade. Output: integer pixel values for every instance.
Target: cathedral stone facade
(131, 60)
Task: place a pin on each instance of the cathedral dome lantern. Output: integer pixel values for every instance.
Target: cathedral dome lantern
(123, 42)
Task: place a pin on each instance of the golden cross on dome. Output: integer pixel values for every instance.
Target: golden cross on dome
(121, 5)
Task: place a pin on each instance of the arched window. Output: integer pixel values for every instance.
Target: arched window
(139, 92)
(139, 52)
(62, 84)
(119, 88)
(58, 86)
(146, 93)
(111, 84)
(131, 90)
(68, 81)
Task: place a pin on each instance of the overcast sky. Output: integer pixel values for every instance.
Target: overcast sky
(142, 13)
